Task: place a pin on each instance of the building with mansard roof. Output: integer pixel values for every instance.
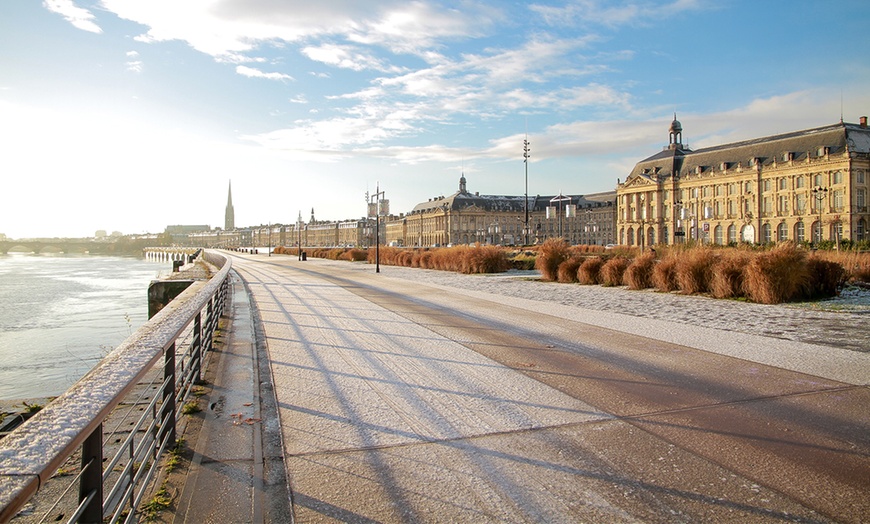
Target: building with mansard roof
(806, 185)
(468, 218)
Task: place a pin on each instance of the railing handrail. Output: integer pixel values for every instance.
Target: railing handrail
(31, 453)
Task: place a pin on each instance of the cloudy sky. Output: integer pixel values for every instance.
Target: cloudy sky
(130, 115)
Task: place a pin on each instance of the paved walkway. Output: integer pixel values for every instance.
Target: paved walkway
(382, 417)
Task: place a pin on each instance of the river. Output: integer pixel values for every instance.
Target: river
(60, 314)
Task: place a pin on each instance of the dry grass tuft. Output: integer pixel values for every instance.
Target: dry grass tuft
(551, 254)
(613, 270)
(567, 272)
(694, 270)
(639, 273)
(589, 272)
(727, 278)
(664, 275)
(779, 275)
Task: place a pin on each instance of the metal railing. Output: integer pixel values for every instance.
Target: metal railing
(138, 390)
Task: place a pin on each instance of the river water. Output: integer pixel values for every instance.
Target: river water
(60, 314)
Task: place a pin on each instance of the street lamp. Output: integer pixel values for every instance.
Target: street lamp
(590, 228)
(560, 198)
(299, 235)
(377, 200)
(678, 221)
(820, 194)
(526, 156)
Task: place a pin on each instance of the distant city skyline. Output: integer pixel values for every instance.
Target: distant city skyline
(124, 115)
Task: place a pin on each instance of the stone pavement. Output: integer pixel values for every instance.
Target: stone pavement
(236, 473)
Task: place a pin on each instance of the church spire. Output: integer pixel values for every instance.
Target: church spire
(230, 215)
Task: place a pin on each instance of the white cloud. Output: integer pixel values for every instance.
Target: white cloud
(256, 73)
(77, 16)
(346, 57)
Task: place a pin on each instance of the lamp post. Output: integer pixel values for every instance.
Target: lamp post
(560, 198)
(590, 228)
(526, 156)
(678, 220)
(299, 235)
(820, 194)
(376, 198)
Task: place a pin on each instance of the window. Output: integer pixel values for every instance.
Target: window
(732, 208)
(717, 235)
(782, 233)
(694, 192)
(861, 230)
(799, 232)
(838, 200)
(766, 234)
(800, 203)
(860, 199)
(732, 234)
(838, 177)
(783, 184)
(765, 184)
(860, 177)
(817, 179)
(799, 182)
(732, 189)
(767, 205)
(783, 204)
(748, 188)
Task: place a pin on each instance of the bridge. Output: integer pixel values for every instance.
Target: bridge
(59, 245)
(412, 397)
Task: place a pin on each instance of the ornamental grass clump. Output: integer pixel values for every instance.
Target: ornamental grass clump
(551, 254)
(826, 278)
(638, 275)
(589, 272)
(694, 270)
(664, 276)
(485, 259)
(613, 270)
(776, 276)
(567, 272)
(727, 279)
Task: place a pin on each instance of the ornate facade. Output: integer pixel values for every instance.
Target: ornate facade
(469, 218)
(807, 185)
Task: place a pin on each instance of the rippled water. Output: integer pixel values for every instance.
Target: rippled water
(60, 314)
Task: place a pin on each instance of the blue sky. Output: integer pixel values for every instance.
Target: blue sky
(131, 115)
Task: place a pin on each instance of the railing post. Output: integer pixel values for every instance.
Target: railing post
(198, 349)
(91, 483)
(169, 392)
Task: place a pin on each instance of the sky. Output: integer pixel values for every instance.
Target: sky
(131, 115)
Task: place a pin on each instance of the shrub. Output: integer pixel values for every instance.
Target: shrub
(589, 271)
(551, 254)
(779, 275)
(485, 259)
(613, 270)
(727, 279)
(825, 278)
(639, 273)
(664, 277)
(567, 272)
(694, 270)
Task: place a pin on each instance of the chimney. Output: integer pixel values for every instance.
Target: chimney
(863, 122)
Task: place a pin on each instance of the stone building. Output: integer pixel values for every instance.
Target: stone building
(469, 218)
(806, 185)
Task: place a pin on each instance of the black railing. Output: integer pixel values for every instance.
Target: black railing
(137, 392)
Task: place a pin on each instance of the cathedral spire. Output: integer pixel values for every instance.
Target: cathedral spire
(230, 215)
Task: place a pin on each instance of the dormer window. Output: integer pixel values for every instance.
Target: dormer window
(822, 151)
(723, 166)
(788, 156)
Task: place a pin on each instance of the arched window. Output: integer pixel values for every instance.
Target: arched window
(732, 234)
(782, 232)
(717, 235)
(817, 231)
(766, 234)
(861, 230)
(800, 234)
(665, 236)
(630, 237)
(651, 237)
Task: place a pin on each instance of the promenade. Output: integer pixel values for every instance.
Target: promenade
(419, 396)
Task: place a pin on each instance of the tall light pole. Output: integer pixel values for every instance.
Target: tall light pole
(526, 156)
(299, 235)
(377, 198)
(820, 194)
(561, 198)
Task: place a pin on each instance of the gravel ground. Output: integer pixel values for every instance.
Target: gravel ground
(839, 322)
